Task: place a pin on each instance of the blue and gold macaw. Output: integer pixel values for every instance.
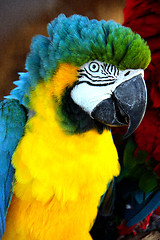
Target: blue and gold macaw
(56, 151)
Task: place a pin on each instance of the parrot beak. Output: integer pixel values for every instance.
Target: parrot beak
(126, 106)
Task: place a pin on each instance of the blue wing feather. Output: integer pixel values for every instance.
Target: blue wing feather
(141, 210)
(12, 122)
(135, 203)
(108, 200)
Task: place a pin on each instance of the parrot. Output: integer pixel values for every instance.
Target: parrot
(57, 152)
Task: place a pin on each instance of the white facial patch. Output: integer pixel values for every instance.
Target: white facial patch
(97, 81)
(88, 97)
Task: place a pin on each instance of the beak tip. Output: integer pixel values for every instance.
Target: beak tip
(136, 106)
(126, 135)
(134, 124)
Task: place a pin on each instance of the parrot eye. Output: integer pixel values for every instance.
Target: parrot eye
(97, 73)
(94, 67)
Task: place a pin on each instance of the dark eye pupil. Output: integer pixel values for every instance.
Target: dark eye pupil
(94, 67)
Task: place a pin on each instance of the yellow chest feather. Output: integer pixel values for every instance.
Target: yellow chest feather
(58, 176)
(49, 161)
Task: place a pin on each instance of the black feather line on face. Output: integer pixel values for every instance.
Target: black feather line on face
(92, 76)
(95, 84)
(100, 79)
(75, 117)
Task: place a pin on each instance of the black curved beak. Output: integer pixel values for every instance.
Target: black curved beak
(126, 106)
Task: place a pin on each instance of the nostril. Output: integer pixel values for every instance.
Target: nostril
(127, 73)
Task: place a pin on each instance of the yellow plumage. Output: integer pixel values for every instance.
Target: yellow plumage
(59, 177)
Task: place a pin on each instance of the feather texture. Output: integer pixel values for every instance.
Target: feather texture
(61, 181)
(86, 40)
(12, 121)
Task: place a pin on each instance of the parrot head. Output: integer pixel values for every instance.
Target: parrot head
(96, 69)
(111, 96)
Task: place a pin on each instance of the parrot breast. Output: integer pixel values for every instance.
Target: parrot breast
(60, 177)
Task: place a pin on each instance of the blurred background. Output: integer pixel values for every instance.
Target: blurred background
(20, 20)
